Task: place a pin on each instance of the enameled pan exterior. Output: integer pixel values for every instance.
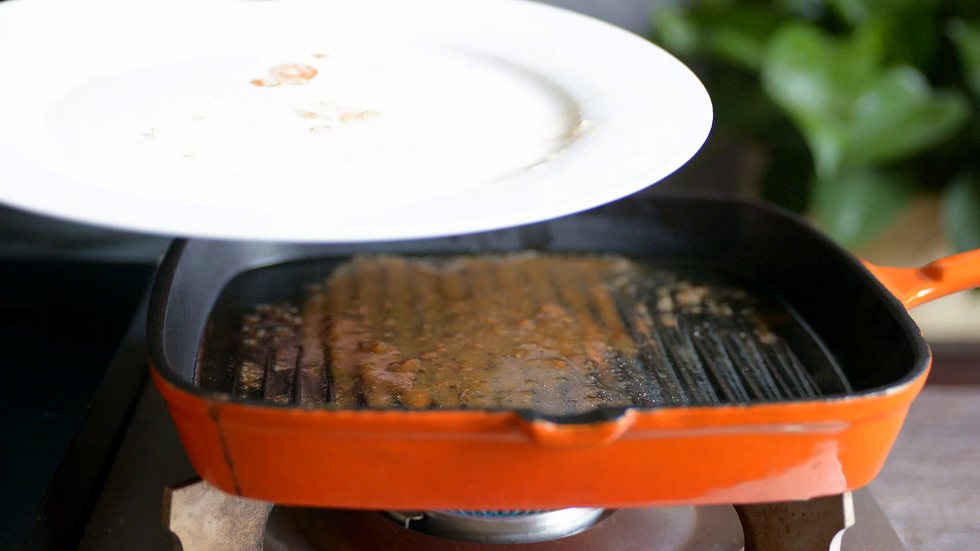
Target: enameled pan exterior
(488, 460)
(398, 459)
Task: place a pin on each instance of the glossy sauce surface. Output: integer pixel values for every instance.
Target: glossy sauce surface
(550, 333)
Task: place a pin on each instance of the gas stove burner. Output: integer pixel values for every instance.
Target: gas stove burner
(655, 529)
(489, 526)
(203, 518)
(493, 513)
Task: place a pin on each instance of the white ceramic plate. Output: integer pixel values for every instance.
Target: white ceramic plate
(425, 117)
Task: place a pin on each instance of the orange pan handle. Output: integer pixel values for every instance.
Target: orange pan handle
(913, 286)
(562, 435)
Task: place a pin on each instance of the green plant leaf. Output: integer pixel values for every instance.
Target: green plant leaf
(816, 80)
(852, 11)
(856, 207)
(805, 9)
(851, 110)
(675, 30)
(798, 69)
(966, 37)
(901, 115)
(961, 212)
(912, 34)
(742, 35)
(857, 11)
(734, 33)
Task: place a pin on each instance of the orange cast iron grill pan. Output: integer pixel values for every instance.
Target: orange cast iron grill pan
(611, 457)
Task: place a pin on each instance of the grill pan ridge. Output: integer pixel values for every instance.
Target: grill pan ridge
(699, 343)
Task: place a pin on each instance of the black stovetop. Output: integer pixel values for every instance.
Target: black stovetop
(62, 323)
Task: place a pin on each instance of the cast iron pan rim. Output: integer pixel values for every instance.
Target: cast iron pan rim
(921, 352)
(160, 296)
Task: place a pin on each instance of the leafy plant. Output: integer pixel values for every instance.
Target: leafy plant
(864, 102)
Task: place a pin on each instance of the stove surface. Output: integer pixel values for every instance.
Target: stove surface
(62, 401)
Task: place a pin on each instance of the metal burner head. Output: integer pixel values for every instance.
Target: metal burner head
(499, 526)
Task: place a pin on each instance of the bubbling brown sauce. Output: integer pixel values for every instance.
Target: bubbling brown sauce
(521, 331)
(554, 334)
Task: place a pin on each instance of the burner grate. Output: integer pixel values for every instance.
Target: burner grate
(495, 513)
(500, 527)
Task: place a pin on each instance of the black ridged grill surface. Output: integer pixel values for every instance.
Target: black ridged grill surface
(693, 338)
